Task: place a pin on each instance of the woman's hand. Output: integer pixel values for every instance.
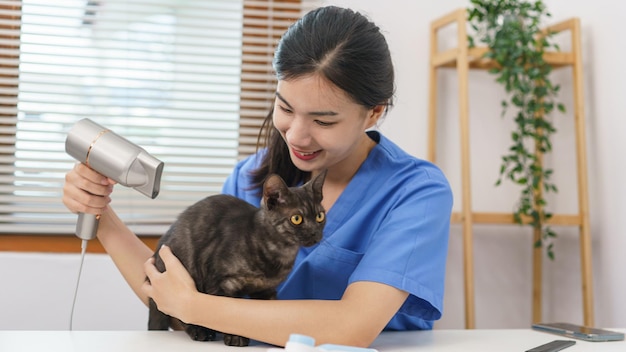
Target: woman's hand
(171, 289)
(86, 191)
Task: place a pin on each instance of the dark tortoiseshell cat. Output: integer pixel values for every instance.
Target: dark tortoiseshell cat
(234, 249)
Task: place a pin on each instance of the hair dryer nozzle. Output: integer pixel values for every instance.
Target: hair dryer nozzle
(150, 169)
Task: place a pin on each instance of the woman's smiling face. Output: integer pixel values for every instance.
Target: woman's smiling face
(321, 124)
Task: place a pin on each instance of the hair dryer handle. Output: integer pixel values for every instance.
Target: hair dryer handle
(87, 226)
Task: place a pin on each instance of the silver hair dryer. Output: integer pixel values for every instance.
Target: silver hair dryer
(115, 157)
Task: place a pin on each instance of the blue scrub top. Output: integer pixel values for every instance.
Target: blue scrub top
(390, 225)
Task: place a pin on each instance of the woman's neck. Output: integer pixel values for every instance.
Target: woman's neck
(340, 175)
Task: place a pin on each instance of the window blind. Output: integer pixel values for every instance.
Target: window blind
(188, 81)
(165, 74)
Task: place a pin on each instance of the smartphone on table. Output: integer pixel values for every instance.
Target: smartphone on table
(579, 332)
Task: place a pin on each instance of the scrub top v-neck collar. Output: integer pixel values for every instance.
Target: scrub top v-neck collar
(355, 192)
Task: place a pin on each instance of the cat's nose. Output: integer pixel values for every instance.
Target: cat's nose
(311, 240)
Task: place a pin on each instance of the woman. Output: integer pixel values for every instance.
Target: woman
(381, 263)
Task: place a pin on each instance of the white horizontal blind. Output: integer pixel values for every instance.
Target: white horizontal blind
(165, 74)
(264, 22)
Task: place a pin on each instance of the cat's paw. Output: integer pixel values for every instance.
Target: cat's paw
(200, 333)
(234, 340)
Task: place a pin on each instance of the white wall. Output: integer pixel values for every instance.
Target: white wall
(37, 289)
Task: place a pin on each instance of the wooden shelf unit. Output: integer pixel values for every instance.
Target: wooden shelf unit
(462, 58)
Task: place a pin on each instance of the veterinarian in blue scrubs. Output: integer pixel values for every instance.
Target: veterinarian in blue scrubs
(381, 263)
(387, 227)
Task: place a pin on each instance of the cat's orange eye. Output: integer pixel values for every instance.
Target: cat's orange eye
(296, 219)
(320, 216)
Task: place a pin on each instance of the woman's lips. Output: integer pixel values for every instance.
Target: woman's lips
(305, 155)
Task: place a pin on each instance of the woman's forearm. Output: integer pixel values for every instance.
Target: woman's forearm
(355, 320)
(128, 252)
(270, 321)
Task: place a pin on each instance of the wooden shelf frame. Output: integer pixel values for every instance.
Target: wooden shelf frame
(462, 58)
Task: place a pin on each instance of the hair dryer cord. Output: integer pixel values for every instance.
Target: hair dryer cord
(80, 269)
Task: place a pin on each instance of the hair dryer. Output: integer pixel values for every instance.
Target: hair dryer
(115, 157)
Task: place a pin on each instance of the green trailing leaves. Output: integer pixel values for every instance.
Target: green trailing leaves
(511, 30)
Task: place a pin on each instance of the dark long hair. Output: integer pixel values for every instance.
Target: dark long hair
(345, 48)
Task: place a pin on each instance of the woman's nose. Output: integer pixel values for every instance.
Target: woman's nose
(298, 133)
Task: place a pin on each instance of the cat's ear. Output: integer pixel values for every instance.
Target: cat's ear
(274, 190)
(316, 185)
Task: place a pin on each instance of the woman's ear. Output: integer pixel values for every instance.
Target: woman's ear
(373, 115)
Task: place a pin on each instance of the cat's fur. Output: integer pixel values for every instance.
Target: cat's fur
(234, 249)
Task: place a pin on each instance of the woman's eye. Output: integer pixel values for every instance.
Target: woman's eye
(284, 109)
(320, 216)
(322, 123)
(296, 219)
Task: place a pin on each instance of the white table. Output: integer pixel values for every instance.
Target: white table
(480, 340)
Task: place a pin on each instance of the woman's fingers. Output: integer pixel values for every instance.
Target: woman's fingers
(170, 288)
(150, 269)
(169, 259)
(86, 191)
(179, 274)
(92, 176)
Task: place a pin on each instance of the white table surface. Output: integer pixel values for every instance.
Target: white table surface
(482, 340)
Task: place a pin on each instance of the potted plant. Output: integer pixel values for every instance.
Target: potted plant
(511, 31)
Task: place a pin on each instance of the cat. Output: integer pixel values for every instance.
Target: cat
(232, 248)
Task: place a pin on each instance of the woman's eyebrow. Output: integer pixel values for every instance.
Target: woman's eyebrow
(283, 100)
(312, 113)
